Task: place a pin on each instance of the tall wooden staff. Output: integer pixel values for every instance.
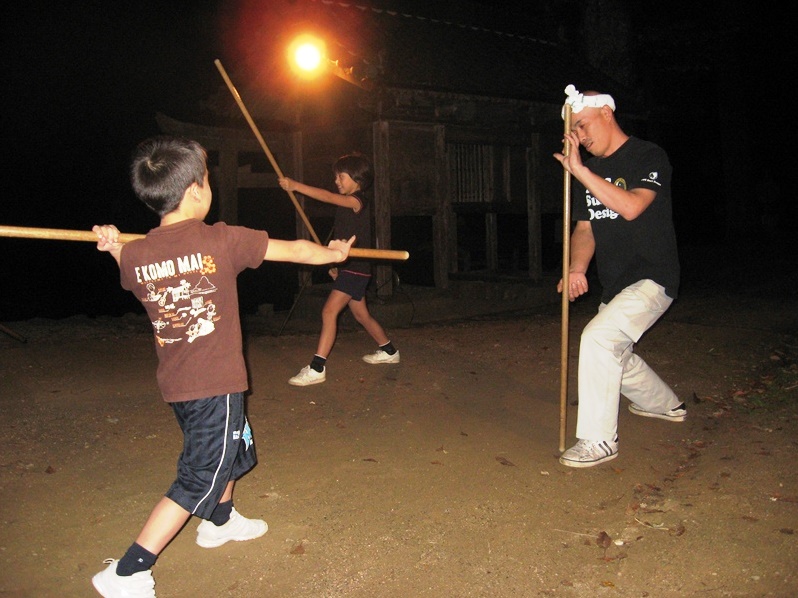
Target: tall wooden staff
(566, 263)
(12, 334)
(263, 145)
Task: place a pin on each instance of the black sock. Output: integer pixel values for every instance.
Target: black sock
(317, 363)
(388, 348)
(221, 514)
(136, 559)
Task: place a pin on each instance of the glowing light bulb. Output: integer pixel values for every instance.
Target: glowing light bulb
(308, 56)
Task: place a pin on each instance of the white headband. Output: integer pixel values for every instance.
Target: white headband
(579, 101)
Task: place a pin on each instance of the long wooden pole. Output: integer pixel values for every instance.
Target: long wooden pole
(12, 334)
(265, 147)
(58, 234)
(566, 263)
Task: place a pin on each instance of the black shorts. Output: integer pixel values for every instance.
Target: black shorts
(217, 447)
(352, 283)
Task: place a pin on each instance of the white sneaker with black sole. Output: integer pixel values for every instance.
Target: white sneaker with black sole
(677, 414)
(307, 376)
(587, 453)
(380, 356)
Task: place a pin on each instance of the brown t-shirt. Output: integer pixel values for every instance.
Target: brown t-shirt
(185, 276)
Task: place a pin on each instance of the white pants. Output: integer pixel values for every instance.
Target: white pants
(608, 366)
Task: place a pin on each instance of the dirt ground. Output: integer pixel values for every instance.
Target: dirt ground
(436, 477)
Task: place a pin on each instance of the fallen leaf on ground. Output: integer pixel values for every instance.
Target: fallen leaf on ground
(604, 540)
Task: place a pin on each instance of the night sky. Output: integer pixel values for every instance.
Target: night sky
(82, 83)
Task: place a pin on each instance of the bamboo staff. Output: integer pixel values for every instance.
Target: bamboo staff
(263, 145)
(566, 263)
(58, 234)
(12, 334)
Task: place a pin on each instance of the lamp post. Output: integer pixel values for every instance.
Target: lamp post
(308, 58)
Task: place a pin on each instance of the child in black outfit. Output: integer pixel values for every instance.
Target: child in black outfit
(354, 177)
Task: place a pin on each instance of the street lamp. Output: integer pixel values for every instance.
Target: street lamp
(307, 56)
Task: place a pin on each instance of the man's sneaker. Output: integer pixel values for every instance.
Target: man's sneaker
(677, 414)
(307, 375)
(237, 528)
(111, 585)
(380, 356)
(587, 453)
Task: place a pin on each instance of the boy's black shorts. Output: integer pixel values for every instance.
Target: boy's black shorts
(217, 447)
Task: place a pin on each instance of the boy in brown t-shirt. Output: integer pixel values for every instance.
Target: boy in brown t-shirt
(184, 273)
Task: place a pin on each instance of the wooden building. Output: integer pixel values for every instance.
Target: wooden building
(461, 122)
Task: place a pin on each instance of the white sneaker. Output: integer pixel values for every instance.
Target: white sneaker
(380, 356)
(587, 453)
(307, 375)
(677, 414)
(238, 528)
(111, 585)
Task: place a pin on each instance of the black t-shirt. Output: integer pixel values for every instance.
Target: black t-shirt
(631, 250)
(348, 223)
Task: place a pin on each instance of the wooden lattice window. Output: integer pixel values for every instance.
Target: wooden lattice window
(471, 172)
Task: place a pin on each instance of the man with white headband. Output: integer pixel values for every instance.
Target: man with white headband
(621, 201)
(578, 101)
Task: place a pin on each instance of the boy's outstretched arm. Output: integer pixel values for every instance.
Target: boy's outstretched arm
(302, 251)
(108, 239)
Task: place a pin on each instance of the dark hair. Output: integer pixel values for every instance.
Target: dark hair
(163, 167)
(357, 166)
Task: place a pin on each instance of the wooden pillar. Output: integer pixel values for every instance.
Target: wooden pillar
(491, 241)
(382, 204)
(444, 245)
(534, 209)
